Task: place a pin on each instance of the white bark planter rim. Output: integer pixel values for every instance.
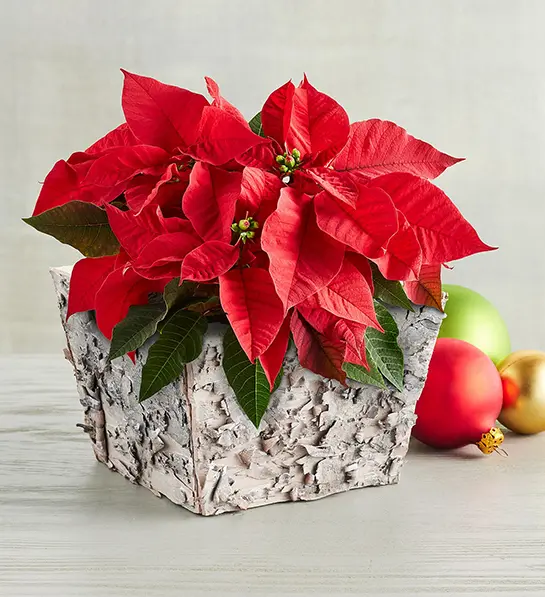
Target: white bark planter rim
(194, 445)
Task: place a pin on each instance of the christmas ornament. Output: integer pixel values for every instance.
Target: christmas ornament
(474, 319)
(461, 399)
(523, 379)
(491, 441)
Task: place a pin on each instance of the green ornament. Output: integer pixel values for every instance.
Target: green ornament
(473, 318)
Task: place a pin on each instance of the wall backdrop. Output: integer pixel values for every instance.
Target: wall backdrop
(467, 76)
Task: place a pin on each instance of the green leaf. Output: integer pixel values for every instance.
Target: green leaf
(390, 291)
(203, 305)
(176, 293)
(256, 126)
(384, 349)
(142, 321)
(81, 225)
(179, 342)
(359, 373)
(247, 379)
(139, 325)
(278, 380)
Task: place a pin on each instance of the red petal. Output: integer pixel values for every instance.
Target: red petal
(440, 228)
(159, 114)
(427, 289)
(377, 147)
(340, 185)
(122, 136)
(174, 224)
(60, 187)
(353, 334)
(209, 260)
(364, 267)
(163, 256)
(120, 164)
(221, 138)
(66, 182)
(133, 232)
(305, 118)
(303, 258)
(82, 157)
(341, 331)
(315, 351)
(259, 194)
(167, 192)
(138, 190)
(221, 102)
(319, 318)
(210, 200)
(349, 296)
(271, 360)
(164, 192)
(87, 277)
(213, 88)
(258, 186)
(276, 113)
(403, 256)
(366, 229)
(353, 356)
(328, 122)
(249, 257)
(121, 289)
(253, 308)
(97, 176)
(261, 156)
(122, 258)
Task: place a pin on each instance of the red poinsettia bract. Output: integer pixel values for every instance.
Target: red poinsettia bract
(282, 221)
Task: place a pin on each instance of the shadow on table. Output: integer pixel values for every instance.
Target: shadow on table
(419, 450)
(112, 495)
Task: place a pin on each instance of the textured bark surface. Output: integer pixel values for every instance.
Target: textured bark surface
(194, 445)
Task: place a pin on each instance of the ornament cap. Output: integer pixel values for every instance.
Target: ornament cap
(490, 441)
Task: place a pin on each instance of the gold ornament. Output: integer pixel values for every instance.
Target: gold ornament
(523, 377)
(490, 441)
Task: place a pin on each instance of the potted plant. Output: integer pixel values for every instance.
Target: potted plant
(261, 279)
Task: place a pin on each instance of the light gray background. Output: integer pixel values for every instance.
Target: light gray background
(465, 75)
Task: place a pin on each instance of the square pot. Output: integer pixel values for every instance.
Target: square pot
(193, 444)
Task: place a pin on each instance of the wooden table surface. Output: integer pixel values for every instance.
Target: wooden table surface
(459, 523)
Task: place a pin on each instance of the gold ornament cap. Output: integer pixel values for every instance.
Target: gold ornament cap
(490, 441)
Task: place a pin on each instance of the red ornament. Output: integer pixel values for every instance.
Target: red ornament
(462, 397)
(511, 392)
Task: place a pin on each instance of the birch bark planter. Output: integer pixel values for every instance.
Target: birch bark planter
(193, 444)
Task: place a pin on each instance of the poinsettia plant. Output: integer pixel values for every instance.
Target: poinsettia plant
(296, 224)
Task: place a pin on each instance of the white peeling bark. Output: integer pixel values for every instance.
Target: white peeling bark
(194, 445)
